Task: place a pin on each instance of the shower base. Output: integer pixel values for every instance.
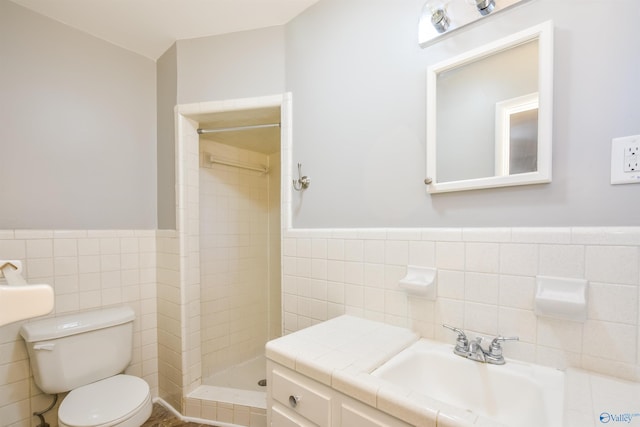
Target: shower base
(244, 376)
(232, 396)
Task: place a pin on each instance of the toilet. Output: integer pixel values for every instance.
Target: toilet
(85, 354)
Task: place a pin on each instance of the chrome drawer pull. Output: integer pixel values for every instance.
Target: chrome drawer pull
(294, 400)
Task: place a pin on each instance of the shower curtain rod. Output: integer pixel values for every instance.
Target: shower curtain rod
(267, 125)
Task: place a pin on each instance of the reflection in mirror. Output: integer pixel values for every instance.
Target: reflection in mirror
(489, 114)
(523, 142)
(467, 98)
(517, 135)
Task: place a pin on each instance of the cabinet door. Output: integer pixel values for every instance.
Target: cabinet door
(282, 417)
(356, 414)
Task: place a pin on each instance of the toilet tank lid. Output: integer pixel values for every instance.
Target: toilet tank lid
(58, 327)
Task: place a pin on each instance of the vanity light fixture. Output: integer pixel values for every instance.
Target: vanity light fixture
(442, 17)
(436, 12)
(440, 20)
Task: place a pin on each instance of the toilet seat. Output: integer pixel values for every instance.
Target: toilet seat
(122, 400)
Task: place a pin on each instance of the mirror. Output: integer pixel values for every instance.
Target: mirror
(489, 114)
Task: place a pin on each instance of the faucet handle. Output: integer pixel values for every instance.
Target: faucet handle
(462, 342)
(495, 349)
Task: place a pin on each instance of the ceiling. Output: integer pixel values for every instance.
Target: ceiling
(150, 27)
(262, 140)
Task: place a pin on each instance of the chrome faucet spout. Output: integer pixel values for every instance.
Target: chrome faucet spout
(472, 349)
(476, 352)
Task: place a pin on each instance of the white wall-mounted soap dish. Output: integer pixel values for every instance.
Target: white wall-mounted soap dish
(561, 298)
(420, 281)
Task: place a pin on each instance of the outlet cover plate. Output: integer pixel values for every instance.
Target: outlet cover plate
(620, 173)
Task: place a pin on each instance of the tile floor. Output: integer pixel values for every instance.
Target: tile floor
(162, 417)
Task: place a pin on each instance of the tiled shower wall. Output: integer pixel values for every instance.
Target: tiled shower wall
(485, 284)
(234, 257)
(88, 270)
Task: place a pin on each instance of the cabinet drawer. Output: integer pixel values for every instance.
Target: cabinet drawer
(302, 396)
(282, 417)
(355, 414)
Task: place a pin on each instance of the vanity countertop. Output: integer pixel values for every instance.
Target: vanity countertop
(341, 353)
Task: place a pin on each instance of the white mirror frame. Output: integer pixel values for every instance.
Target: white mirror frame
(544, 34)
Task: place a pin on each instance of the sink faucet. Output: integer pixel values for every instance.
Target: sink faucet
(473, 349)
(476, 352)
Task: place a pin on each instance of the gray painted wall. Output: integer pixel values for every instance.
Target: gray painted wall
(167, 92)
(77, 128)
(358, 81)
(230, 66)
(78, 117)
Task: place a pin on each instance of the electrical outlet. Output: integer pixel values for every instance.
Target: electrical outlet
(625, 160)
(631, 156)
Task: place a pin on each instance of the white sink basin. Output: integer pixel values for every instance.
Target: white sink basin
(516, 394)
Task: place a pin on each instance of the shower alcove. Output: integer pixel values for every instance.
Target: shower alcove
(230, 195)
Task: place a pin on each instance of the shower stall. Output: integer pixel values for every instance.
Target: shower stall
(239, 196)
(220, 296)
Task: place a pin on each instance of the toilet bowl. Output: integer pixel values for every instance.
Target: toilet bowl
(86, 355)
(122, 401)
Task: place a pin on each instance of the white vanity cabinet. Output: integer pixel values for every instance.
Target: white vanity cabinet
(295, 396)
(296, 400)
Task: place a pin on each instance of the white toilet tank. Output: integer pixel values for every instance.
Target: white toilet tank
(71, 351)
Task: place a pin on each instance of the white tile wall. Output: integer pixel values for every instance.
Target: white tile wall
(486, 284)
(88, 269)
(169, 331)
